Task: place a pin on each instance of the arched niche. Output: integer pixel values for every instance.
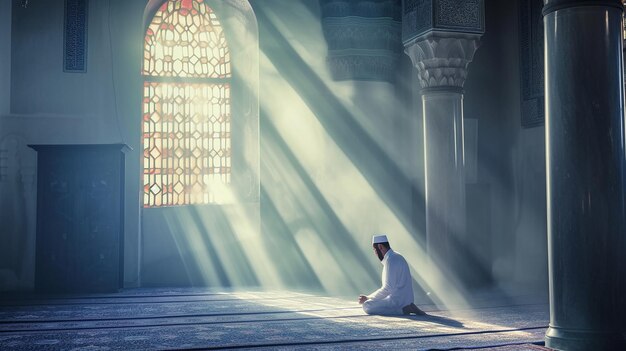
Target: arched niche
(177, 244)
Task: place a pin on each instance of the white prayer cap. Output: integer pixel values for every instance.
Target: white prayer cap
(377, 239)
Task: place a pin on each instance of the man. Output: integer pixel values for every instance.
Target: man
(396, 295)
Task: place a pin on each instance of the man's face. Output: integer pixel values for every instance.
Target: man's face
(377, 251)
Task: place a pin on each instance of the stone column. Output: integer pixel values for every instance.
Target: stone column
(441, 37)
(624, 39)
(442, 60)
(585, 162)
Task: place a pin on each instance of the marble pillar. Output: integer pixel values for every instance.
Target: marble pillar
(442, 60)
(585, 174)
(624, 39)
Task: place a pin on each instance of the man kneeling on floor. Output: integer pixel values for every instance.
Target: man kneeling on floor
(395, 297)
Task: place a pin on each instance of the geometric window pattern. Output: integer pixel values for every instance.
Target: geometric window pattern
(185, 39)
(186, 133)
(186, 106)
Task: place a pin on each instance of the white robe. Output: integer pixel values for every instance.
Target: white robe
(397, 289)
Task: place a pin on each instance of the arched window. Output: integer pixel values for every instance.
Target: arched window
(186, 106)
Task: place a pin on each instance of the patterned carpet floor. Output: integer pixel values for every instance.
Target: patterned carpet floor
(200, 319)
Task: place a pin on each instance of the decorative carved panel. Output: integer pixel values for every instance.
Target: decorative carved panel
(75, 36)
(366, 34)
(422, 16)
(417, 18)
(361, 8)
(364, 38)
(358, 67)
(463, 15)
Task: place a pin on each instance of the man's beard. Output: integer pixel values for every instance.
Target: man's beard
(379, 254)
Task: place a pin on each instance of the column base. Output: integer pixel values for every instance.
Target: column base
(576, 339)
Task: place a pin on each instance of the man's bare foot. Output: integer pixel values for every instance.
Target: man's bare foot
(412, 309)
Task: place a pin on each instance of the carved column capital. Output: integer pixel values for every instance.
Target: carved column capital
(442, 58)
(554, 5)
(422, 16)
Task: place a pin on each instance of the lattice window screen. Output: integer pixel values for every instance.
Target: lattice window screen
(187, 106)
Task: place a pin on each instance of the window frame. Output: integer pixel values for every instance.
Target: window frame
(227, 81)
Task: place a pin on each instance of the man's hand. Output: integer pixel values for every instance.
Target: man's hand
(362, 298)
